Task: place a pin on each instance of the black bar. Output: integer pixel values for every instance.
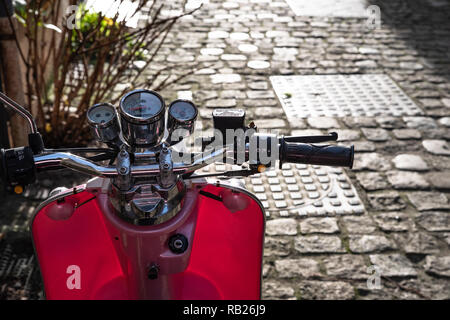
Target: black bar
(229, 310)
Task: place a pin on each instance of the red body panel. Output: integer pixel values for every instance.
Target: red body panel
(225, 261)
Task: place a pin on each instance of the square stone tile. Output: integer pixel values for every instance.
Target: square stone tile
(329, 8)
(368, 95)
(308, 191)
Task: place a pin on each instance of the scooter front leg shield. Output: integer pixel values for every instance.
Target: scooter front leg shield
(76, 256)
(228, 246)
(80, 258)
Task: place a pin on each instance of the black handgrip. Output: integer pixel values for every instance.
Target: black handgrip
(325, 155)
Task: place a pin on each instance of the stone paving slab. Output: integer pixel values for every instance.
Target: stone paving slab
(329, 8)
(301, 190)
(341, 95)
(398, 177)
(401, 163)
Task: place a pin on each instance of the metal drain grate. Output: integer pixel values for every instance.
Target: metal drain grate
(302, 190)
(329, 8)
(15, 274)
(342, 96)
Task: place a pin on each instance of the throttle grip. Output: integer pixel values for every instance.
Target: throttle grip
(326, 155)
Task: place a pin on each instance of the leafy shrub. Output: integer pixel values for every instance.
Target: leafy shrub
(69, 69)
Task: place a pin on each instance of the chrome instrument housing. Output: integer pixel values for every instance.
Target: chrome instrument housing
(140, 131)
(107, 131)
(174, 122)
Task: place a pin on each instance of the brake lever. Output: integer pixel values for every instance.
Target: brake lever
(333, 136)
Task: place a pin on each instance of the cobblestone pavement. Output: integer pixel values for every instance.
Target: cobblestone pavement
(402, 167)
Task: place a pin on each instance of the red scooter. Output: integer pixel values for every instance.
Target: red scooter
(147, 226)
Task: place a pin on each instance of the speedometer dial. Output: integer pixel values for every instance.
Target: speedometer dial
(142, 117)
(142, 105)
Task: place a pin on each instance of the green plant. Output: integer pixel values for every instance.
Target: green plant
(69, 69)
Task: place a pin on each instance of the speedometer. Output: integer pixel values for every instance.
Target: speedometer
(142, 117)
(142, 105)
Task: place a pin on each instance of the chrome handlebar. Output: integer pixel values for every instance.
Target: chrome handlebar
(83, 165)
(18, 165)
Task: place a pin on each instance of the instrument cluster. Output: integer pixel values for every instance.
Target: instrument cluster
(141, 114)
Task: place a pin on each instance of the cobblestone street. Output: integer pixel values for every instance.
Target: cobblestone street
(329, 231)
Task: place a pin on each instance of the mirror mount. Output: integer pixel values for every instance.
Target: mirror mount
(34, 138)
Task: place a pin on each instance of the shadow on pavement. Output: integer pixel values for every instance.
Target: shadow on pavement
(424, 25)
